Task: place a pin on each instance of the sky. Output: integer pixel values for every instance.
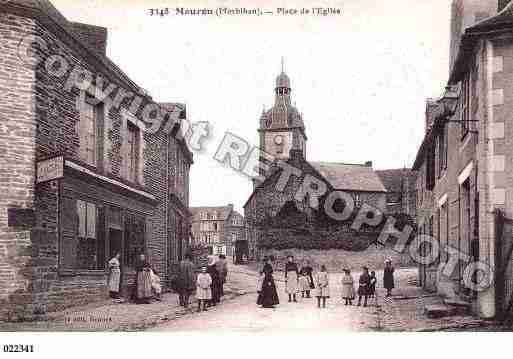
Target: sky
(360, 78)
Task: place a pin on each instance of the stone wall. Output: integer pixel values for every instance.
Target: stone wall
(38, 119)
(336, 259)
(17, 154)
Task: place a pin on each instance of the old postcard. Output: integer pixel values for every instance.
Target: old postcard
(255, 166)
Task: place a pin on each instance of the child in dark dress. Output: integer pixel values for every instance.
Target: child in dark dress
(372, 285)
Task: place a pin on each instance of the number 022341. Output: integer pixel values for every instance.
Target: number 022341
(18, 348)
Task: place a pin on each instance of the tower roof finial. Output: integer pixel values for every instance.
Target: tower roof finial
(282, 64)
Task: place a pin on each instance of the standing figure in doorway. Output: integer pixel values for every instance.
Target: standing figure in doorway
(203, 289)
(143, 280)
(291, 279)
(114, 277)
(388, 277)
(363, 288)
(186, 280)
(322, 287)
(267, 294)
(216, 281)
(306, 280)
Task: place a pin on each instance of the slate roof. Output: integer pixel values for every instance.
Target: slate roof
(393, 179)
(222, 212)
(501, 23)
(350, 177)
(503, 18)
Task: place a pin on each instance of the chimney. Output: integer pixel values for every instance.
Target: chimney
(431, 106)
(95, 37)
(502, 4)
(368, 164)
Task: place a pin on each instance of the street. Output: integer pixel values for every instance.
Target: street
(242, 313)
(238, 312)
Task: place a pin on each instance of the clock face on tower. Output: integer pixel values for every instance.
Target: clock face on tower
(278, 139)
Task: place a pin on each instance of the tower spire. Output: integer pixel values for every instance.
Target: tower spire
(282, 64)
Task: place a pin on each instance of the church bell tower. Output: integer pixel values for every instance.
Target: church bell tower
(281, 127)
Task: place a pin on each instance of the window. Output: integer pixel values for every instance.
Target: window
(465, 106)
(430, 168)
(134, 238)
(442, 150)
(90, 254)
(438, 232)
(132, 161)
(215, 226)
(357, 200)
(87, 132)
(445, 219)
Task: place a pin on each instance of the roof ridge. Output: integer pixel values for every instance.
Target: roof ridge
(341, 163)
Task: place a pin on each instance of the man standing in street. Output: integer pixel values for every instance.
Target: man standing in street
(222, 269)
(186, 281)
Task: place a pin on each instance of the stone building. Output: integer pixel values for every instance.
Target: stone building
(465, 164)
(81, 178)
(219, 229)
(401, 190)
(295, 187)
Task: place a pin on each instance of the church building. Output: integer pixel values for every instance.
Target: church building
(278, 213)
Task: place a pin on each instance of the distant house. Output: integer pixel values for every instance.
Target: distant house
(218, 228)
(400, 185)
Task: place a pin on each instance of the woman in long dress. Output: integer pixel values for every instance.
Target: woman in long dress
(388, 277)
(155, 284)
(348, 292)
(322, 287)
(216, 281)
(291, 279)
(143, 281)
(363, 287)
(267, 294)
(114, 276)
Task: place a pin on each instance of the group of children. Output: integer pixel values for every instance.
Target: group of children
(303, 281)
(366, 287)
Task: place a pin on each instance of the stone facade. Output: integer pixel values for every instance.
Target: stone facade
(401, 190)
(47, 263)
(465, 162)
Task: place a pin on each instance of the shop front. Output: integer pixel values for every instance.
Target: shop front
(100, 217)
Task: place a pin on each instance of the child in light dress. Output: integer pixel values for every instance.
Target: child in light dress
(203, 290)
(348, 292)
(322, 287)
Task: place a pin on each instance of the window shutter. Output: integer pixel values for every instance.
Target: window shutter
(140, 158)
(68, 242)
(124, 150)
(91, 220)
(81, 212)
(107, 142)
(82, 128)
